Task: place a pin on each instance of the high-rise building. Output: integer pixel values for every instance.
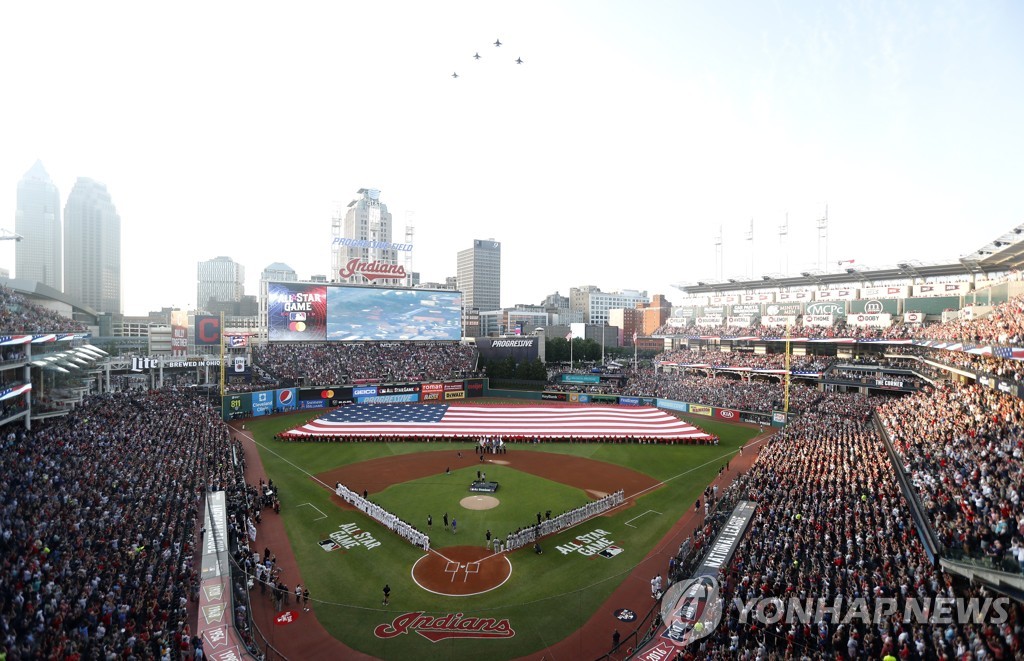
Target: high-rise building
(276, 272)
(38, 256)
(92, 247)
(361, 249)
(596, 303)
(478, 275)
(220, 279)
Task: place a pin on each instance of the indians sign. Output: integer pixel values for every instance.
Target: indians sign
(452, 625)
(372, 270)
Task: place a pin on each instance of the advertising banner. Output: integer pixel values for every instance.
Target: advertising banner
(398, 389)
(474, 388)
(583, 398)
(943, 289)
(775, 309)
(884, 292)
(746, 310)
(794, 296)
(179, 333)
(870, 320)
(709, 321)
(431, 387)
(364, 391)
(913, 317)
(729, 415)
(455, 394)
(296, 312)
(263, 402)
(846, 294)
(604, 399)
(207, 331)
(834, 308)
(822, 320)
(778, 320)
(520, 349)
(581, 378)
(724, 299)
(700, 409)
(673, 405)
(450, 386)
(286, 399)
(778, 418)
(388, 399)
(554, 396)
(712, 311)
(318, 398)
(738, 322)
(238, 406)
(875, 306)
(629, 401)
(761, 297)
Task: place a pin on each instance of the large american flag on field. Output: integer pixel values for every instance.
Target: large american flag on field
(433, 420)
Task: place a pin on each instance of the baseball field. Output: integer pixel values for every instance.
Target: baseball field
(462, 599)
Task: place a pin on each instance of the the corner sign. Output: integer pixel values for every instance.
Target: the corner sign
(452, 625)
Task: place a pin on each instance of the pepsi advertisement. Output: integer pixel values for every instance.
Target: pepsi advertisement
(285, 399)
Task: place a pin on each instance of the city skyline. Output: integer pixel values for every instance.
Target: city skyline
(614, 156)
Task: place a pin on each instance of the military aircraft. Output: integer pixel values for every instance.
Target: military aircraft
(477, 56)
(497, 42)
(519, 60)
(455, 75)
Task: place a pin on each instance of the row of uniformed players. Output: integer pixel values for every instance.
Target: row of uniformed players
(378, 513)
(520, 538)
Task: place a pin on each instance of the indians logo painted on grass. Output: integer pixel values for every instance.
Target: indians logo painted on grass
(452, 625)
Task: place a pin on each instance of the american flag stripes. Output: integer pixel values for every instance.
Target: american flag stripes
(443, 420)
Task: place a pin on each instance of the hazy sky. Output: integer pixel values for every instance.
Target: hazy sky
(610, 157)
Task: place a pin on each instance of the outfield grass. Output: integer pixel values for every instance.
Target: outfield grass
(547, 597)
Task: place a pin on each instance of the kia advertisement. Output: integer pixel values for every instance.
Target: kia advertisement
(728, 415)
(296, 312)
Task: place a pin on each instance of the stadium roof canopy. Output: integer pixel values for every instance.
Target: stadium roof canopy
(1002, 254)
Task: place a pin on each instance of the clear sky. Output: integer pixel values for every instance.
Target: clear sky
(631, 133)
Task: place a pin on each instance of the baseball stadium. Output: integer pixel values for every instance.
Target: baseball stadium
(824, 465)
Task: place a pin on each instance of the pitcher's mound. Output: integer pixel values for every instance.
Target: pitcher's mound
(462, 571)
(479, 502)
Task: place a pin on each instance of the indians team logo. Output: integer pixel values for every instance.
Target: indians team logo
(452, 625)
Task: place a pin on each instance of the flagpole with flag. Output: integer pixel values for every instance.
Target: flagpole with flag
(634, 351)
(568, 337)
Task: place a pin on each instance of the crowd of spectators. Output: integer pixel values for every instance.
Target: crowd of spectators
(963, 446)
(99, 519)
(748, 359)
(389, 362)
(1004, 325)
(719, 391)
(19, 315)
(831, 522)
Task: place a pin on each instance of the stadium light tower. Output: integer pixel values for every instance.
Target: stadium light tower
(718, 254)
(783, 257)
(750, 238)
(823, 240)
(410, 230)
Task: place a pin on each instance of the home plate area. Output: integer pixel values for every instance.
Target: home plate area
(462, 571)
